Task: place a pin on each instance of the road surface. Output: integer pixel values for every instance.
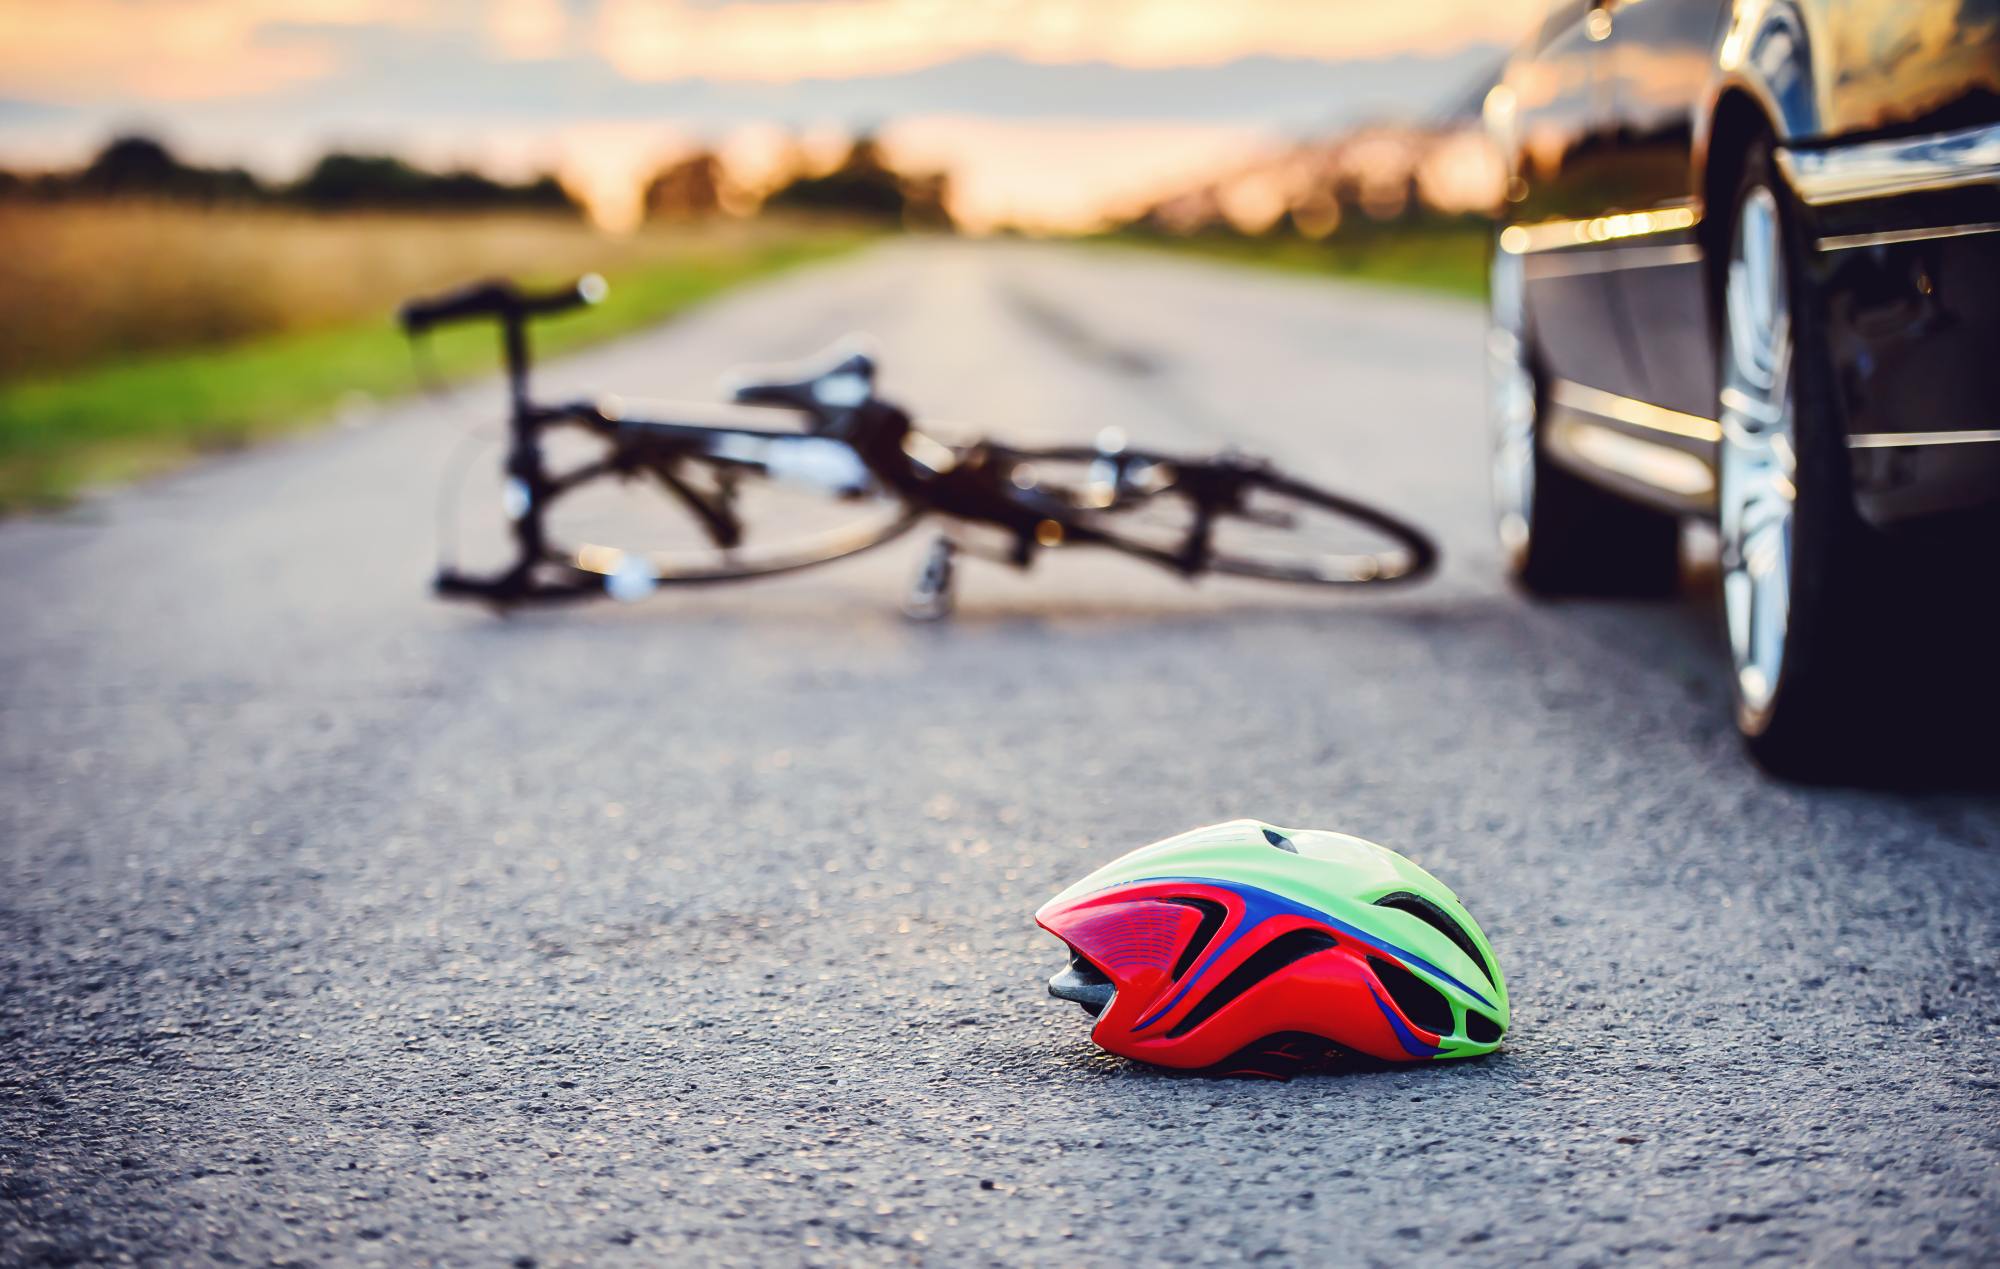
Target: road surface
(341, 925)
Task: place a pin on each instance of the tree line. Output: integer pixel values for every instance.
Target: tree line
(141, 167)
(861, 186)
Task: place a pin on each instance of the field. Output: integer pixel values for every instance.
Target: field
(134, 336)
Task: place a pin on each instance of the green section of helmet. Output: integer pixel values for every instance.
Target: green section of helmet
(1343, 877)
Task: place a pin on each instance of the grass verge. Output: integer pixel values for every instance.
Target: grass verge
(1448, 257)
(132, 418)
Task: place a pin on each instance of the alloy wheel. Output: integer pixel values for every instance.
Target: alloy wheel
(1759, 461)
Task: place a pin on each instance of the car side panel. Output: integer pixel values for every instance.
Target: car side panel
(1823, 71)
(1905, 66)
(1558, 152)
(1660, 56)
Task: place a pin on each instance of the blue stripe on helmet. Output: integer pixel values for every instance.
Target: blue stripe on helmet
(1404, 1036)
(1258, 906)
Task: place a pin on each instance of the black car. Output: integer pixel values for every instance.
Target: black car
(1749, 272)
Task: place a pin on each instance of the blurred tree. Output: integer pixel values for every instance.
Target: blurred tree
(690, 189)
(859, 185)
(349, 182)
(141, 167)
(864, 186)
(1195, 211)
(130, 165)
(357, 180)
(926, 201)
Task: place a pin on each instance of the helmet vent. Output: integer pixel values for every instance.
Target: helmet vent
(1440, 920)
(1292, 945)
(1282, 842)
(1480, 1029)
(1420, 1002)
(1212, 914)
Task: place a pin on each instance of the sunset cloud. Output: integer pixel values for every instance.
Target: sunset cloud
(525, 30)
(189, 50)
(176, 50)
(786, 40)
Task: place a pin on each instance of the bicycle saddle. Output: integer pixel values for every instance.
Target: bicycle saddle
(828, 384)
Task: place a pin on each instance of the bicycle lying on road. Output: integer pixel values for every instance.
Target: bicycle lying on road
(871, 475)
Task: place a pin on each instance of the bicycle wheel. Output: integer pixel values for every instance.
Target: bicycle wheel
(622, 525)
(1261, 524)
(1284, 530)
(1127, 498)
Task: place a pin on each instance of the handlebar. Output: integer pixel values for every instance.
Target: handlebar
(498, 299)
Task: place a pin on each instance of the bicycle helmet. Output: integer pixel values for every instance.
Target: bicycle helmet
(1245, 949)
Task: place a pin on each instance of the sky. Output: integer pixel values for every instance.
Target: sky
(1049, 113)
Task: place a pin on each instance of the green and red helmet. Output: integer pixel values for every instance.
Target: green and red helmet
(1248, 949)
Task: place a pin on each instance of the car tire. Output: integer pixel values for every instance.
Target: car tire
(1804, 586)
(1560, 534)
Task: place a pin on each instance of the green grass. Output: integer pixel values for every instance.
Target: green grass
(1447, 256)
(133, 418)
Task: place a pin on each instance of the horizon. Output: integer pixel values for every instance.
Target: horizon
(1049, 115)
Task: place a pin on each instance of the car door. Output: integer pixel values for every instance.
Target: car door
(1655, 59)
(1564, 161)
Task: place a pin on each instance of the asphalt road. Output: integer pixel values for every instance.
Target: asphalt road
(341, 925)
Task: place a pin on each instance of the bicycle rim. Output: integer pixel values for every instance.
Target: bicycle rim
(638, 530)
(1285, 530)
(1282, 530)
